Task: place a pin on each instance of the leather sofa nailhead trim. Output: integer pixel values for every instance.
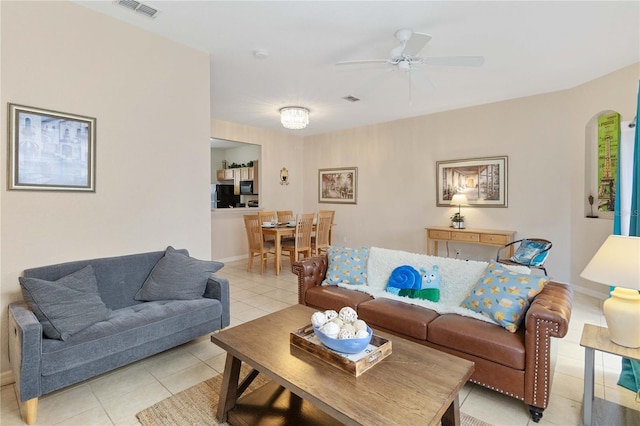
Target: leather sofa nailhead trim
(497, 390)
(547, 339)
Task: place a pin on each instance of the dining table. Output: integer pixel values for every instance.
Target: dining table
(279, 231)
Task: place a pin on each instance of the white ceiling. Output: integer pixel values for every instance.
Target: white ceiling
(529, 48)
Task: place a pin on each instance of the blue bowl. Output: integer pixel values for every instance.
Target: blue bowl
(347, 346)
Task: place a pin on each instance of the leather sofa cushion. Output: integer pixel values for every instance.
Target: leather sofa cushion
(334, 297)
(403, 318)
(482, 339)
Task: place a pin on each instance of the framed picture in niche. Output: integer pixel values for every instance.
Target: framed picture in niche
(339, 186)
(50, 150)
(482, 180)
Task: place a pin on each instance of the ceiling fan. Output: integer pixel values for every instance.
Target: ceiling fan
(404, 57)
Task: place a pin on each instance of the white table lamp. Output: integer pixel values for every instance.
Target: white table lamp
(617, 263)
(458, 200)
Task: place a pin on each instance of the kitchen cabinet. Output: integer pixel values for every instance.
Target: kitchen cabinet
(238, 174)
(225, 174)
(244, 173)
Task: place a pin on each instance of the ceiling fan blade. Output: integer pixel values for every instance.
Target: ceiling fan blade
(416, 43)
(366, 61)
(422, 83)
(456, 61)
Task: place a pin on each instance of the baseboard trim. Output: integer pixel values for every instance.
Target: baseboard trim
(6, 378)
(233, 258)
(589, 292)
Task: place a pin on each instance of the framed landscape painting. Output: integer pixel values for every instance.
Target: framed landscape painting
(51, 151)
(338, 186)
(482, 180)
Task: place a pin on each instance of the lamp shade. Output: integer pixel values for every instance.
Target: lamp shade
(616, 263)
(459, 200)
(294, 118)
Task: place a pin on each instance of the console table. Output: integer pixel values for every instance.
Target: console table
(489, 237)
(596, 410)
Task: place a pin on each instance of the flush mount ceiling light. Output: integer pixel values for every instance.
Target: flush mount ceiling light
(294, 118)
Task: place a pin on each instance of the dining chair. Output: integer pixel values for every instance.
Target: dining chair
(301, 242)
(267, 216)
(333, 214)
(284, 216)
(320, 242)
(257, 245)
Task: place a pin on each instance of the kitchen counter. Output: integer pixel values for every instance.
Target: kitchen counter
(243, 210)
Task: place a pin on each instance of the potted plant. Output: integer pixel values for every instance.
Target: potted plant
(457, 221)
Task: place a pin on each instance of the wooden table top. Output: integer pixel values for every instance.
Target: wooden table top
(414, 385)
(596, 337)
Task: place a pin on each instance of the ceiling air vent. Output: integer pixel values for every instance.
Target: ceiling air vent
(351, 98)
(138, 7)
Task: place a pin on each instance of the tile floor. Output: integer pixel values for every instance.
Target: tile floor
(114, 398)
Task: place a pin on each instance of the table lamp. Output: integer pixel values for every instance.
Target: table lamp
(458, 200)
(617, 263)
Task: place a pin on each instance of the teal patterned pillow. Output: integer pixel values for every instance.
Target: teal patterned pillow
(347, 265)
(504, 295)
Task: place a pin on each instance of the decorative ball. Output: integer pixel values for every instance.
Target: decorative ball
(338, 321)
(361, 334)
(330, 314)
(331, 329)
(360, 325)
(346, 334)
(350, 328)
(318, 319)
(348, 314)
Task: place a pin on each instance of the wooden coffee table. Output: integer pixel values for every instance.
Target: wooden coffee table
(414, 385)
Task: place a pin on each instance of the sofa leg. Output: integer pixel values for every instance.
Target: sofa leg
(536, 413)
(30, 408)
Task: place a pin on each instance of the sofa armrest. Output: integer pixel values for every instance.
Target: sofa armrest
(548, 316)
(551, 306)
(218, 288)
(25, 350)
(311, 272)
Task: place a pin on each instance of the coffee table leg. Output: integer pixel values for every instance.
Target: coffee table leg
(451, 417)
(229, 389)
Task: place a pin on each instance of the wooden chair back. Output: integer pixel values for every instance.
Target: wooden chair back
(284, 216)
(253, 226)
(302, 239)
(255, 239)
(333, 215)
(323, 228)
(268, 216)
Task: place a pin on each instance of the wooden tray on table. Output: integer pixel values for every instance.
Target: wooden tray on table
(304, 339)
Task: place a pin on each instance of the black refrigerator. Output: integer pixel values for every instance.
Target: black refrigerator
(223, 196)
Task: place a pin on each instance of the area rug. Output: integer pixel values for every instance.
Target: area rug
(197, 405)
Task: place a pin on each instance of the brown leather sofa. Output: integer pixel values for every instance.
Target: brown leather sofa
(517, 364)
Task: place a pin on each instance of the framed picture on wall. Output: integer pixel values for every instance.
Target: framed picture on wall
(51, 151)
(339, 186)
(482, 180)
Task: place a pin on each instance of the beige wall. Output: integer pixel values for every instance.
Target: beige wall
(544, 138)
(279, 149)
(150, 97)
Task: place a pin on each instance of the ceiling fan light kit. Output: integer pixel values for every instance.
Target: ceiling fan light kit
(294, 117)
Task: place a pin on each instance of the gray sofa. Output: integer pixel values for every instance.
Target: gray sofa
(132, 329)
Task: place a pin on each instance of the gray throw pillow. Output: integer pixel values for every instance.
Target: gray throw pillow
(67, 305)
(177, 277)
